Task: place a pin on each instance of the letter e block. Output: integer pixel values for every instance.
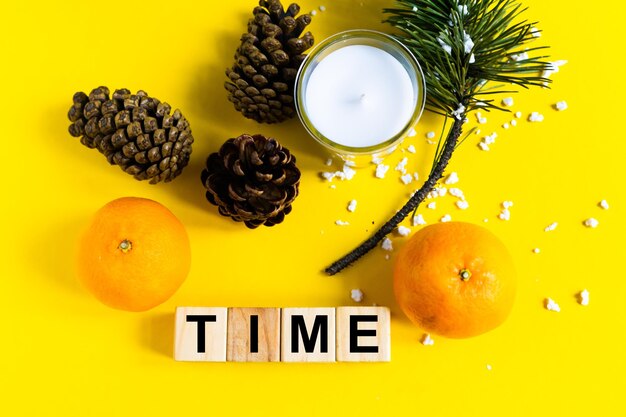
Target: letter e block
(308, 335)
(363, 334)
(253, 335)
(200, 334)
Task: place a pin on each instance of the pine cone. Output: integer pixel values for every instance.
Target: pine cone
(134, 131)
(252, 179)
(267, 62)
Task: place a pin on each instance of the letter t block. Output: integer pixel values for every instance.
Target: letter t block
(200, 334)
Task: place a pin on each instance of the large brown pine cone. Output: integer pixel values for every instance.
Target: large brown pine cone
(135, 131)
(266, 64)
(252, 179)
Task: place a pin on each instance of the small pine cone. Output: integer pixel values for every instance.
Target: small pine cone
(266, 64)
(135, 131)
(252, 179)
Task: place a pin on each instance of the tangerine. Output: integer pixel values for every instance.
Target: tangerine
(455, 279)
(134, 255)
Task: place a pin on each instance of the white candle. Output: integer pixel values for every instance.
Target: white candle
(360, 96)
(359, 93)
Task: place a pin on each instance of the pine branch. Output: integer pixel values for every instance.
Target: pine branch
(462, 45)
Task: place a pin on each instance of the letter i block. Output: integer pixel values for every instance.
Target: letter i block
(363, 334)
(308, 335)
(200, 334)
(253, 335)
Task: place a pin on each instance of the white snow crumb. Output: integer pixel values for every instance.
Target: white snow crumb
(453, 178)
(446, 218)
(457, 192)
(431, 205)
(348, 172)
(352, 206)
(463, 10)
(387, 244)
(322, 8)
(551, 227)
(490, 139)
(583, 298)
(518, 114)
(507, 101)
(414, 8)
(461, 109)
(489, 367)
(591, 223)
(431, 142)
(430, 135)
(356, 295)
(411, 149)
(536, 250)
(604, 204)
(416, 176)
(445, 46)
(551, 305)
(505, 215)
(418, 220)
(403, 231)
(329, 162)
(313, 12)
(328, 176)
(406, 179)
(377, 160)
(462, 204)
(535, 32)
(441, 191)
(483, 146)
(561, 105)
(519, 57)
(412, 133)
(553, 68)
(402, 165)
(381, 170)
(535, 117)
(427, 340)
(506, 126)
(349, 163)
(477, 132)
(332, 186)
(341, 223)
(513, 122)
(480, 119)
(507, 204)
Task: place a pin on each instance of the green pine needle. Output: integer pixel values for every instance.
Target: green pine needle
(440, 33)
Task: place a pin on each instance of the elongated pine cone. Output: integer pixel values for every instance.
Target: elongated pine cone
(252, 179)
(135, 131)
(266, 64)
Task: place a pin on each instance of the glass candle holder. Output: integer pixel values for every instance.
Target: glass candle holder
(359, 93)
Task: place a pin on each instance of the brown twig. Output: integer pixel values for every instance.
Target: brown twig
(415, 200)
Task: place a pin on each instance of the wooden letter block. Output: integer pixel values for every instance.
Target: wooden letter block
(200, 334)
(308, 335)
(253, 335)
(363, 334)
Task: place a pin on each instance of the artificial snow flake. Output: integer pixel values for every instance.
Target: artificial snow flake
(403, 231)
(551, 227)
(535, 117)
(446, 218)
(604, 204)
(356, 295)
(507, 101)
(341, 223)
(583, 298)
(402, 165)
(387, 244)
(406, 179)
(462, 204)
(418, 220)
(411, 149)
(352, 206)
(591, 223)
(551, 305)
(453, 178)
(561, 105)
(427, 340)
(430, 135)
(381, 170)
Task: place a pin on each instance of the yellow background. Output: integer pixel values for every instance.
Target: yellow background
(63, 353)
